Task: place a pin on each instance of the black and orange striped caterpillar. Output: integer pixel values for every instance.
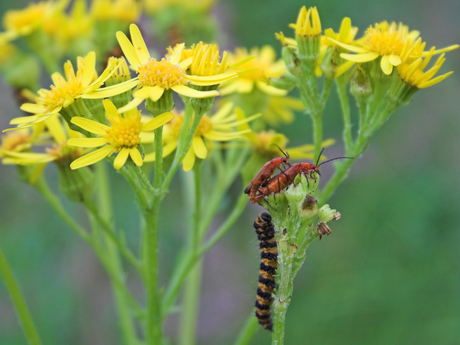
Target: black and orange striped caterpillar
(269, 254)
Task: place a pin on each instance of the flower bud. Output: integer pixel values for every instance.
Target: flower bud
(360, 86)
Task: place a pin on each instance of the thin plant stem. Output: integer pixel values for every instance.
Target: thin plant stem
(345, 104)
(248, 331)
(192, 288)
(105, 203)
(19, 302)
(318, 134)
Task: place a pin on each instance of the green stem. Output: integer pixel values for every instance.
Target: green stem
(192, 289)
(318, 134)
(190, 306)
(55, 203)
(94, 209)
(249, 330)
(19, 302)
(344, 102)
(105, 203)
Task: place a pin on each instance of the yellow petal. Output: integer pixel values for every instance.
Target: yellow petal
(86, 142)
(128, 49)
(139, 44)
(270, 90)
(385, 64)
(112, 90)
(189, 92)
(136, 156)
(111, 110)
(91, 158)
(121, 158)
(90, 125)
(434, 81)
(199, 147)
(55, 129)
(347, 46)
(57, 79)
(33, 108)
(143, 92)
(395, 60)
(167, 150)
(443, 50)
(228, 88)
(131, 105)
(157, 122)
(27, 119)
(89, 68)
(212, 79)
(186, 63)
(156, 92)
(343, 68)
(360, 57)
(222, 112)
(189, 160)
(345, 29)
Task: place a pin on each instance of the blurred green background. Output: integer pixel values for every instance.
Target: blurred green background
(389, 273)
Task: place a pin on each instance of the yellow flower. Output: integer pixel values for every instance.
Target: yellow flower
(124, 10)
(381, 40)
(25, 21)
(218, 127)
(65, 91)
(155, 77)
(268, 143)
(122, 137)
(16, 146)
(262, 67)
(411, 68)
(78, 24)
(281, 109)
(308, 22)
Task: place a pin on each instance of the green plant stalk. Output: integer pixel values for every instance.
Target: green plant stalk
(318, 134)
(192, 288)
(345, 104)
(105, 203)
(55, 203)
(19, 302)
(154, 321)
(184, 265)
(249, 330)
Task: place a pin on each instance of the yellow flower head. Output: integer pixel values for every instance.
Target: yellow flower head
(23, 22)
(78, 24)
(122, 136)
(127, 11)
(65, 90)
(155, 77)
(411, 68)
(218, 127)
(206, 60)
(16, 147)
(308, 23)
(261, 67)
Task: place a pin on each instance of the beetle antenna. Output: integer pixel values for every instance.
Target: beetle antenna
(286, 154)
(320, 154)
(333, 159)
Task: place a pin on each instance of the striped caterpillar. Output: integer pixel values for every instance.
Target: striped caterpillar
(269, 252)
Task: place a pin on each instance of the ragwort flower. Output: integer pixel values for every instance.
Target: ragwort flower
(260, 69)
(122, 136)
(66, 90)
(155, 77)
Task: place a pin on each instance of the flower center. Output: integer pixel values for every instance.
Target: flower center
(124, 133)
(13, 140)
(161, 73)
(385, 40)
(204, 127)
(60, 96)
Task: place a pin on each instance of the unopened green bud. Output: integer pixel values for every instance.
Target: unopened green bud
(286, 82)
(326, 214)
(361, 86)
(292, 61)
(120, 75)
(330, 62)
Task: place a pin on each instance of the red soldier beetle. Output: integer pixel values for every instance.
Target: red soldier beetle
(265, 173)
(285, 178)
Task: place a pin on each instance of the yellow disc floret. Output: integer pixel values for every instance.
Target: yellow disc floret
(386, 39)
(60, 96)
(124, 133)
(161, 73)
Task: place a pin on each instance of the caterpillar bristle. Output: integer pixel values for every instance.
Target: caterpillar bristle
(269, 254)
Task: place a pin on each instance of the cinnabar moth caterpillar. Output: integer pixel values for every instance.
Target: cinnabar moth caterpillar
(269, 254)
